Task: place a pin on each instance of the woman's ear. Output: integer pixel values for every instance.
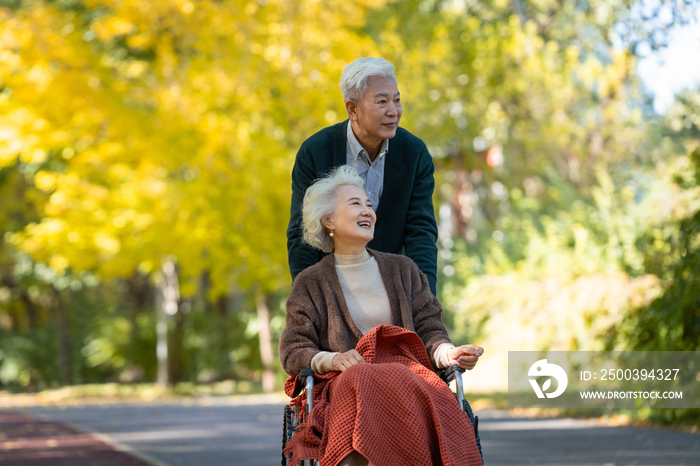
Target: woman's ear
(328, 222)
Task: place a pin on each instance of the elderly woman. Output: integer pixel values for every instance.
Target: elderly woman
(354, 292)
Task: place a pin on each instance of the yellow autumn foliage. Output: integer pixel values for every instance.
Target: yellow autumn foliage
(174, 124)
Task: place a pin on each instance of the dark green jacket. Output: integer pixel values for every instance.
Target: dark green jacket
(405, 215)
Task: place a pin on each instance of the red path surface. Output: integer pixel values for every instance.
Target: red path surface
(31, 441)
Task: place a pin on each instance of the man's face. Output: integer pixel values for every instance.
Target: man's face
(378, 114)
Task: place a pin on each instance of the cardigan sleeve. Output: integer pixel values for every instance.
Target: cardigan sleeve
(427, 313)
(299, 342)
(300, 255)
(420, 231)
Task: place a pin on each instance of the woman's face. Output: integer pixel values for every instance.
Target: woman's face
(353, 222)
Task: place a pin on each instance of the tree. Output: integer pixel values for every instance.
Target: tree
(169, 129)
(671, 322)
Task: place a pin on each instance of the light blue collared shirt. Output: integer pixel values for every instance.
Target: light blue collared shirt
(372, 173)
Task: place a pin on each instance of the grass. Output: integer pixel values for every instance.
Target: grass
(115, 392)
(683, 419)
(495, 400)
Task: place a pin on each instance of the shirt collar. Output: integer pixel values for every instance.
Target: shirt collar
(351, 259)
(356, 148)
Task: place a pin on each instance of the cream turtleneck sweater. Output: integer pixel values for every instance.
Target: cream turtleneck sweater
(368, 304)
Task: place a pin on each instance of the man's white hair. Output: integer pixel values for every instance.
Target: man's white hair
(319, 203)
(353, 82)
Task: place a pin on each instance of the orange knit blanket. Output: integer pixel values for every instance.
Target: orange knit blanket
(394, 409)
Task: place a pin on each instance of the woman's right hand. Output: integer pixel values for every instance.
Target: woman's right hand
(343, 361)
(465, 356)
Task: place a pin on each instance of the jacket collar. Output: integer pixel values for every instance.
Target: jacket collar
(328, 267)
(340, 143)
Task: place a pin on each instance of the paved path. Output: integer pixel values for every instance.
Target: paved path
(27, 440)
(230, 431)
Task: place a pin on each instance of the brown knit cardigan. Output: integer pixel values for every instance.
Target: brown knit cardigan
(318, 318)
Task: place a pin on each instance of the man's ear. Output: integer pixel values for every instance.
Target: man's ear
(351, 107)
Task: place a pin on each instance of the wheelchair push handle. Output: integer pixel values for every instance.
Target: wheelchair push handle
(302, 381)
(454, 372)
(308, 376)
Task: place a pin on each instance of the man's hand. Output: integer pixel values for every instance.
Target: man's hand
(465, 356)
(343, 361)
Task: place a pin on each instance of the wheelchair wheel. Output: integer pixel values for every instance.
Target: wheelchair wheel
(475, 424)
(288, 430)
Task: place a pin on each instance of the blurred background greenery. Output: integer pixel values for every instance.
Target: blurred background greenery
(146, 148)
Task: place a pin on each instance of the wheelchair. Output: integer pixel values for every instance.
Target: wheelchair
(305, 383)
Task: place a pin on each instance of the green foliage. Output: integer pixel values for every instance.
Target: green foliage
(672, 321)
(109, 339)
(22, 359)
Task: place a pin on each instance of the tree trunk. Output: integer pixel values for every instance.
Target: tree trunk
(175, 359)
(29, 306)
(265, 338)
(166, 305)
(161, 340)
(139, 294)
(203, 292)
(63, 338)
(222, 366)
(31, 310)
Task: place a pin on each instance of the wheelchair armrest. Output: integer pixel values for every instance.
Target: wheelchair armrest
(300, 384)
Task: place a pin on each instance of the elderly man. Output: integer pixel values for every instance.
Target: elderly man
(394, 164)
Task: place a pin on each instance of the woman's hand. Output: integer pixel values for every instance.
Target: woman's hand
(465, 356)
(342, 361)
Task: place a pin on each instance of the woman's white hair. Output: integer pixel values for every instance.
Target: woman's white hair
(353, 82)
(319, 203)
